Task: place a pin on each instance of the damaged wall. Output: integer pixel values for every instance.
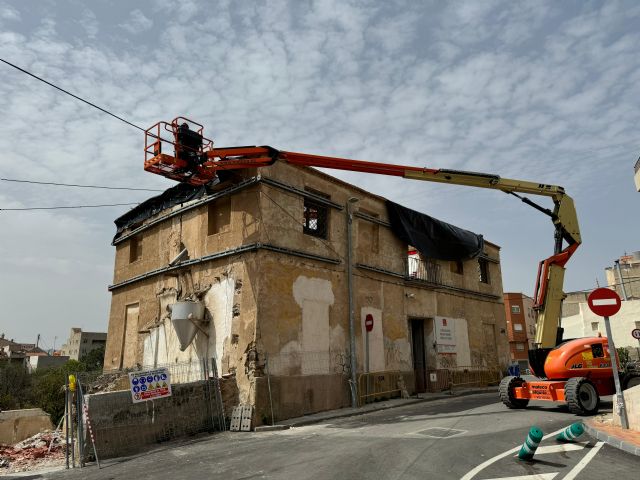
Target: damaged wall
(281, 308)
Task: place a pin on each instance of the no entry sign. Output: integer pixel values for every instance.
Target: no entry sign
(368, 322)
(604, 302)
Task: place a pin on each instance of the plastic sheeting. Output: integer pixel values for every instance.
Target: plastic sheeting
(433, 238)
(181, 193)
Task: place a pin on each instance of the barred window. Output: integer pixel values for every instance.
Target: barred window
(316, 218)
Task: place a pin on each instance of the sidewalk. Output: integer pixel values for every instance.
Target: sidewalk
(371, 407)
(602, 428)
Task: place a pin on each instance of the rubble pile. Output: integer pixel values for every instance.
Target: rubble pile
(107, 382)
(42, 448)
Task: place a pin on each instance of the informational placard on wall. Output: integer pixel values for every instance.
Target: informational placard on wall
(149, 385)
(445, 334)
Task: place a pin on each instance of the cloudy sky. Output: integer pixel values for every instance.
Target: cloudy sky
(542, 91)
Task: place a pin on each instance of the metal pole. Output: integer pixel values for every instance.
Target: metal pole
(66, 419)
(80, 441)
(622, 409)
(622, 289)
(367, 360)
(352, 332)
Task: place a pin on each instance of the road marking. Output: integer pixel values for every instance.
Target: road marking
(567, 447)
(537, 476)
(583, 463)
(486, 463)
(605, 301)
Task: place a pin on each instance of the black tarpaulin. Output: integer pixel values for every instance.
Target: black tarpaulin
(433, 238)
(181, 193)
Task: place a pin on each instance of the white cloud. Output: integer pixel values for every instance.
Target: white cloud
(540, 92)
(137, 23)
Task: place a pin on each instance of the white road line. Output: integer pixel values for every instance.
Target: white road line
(537, 476)
(583, 463)
(486, 463)
(565, 447)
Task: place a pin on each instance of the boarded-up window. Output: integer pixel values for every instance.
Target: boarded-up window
(130, 336)
(368, 233)
(135, 249)
(315, 216)
(219, 216)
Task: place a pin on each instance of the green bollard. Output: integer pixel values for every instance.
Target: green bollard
(570, 433)
(530, 444)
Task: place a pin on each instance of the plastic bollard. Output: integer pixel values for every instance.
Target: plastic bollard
(570, 433)
(530, 444)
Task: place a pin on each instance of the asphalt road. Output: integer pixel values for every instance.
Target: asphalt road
(459, 438)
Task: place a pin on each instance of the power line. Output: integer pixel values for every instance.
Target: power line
(80, 186)
(71, 94)
(69, 206)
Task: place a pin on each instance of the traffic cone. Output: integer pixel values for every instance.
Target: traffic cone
(570, 433)
(530, 444)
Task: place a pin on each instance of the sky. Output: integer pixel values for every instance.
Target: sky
(541, 91)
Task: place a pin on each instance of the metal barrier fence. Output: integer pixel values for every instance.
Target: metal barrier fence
(375, 386)
(122, 427)
(443, 379)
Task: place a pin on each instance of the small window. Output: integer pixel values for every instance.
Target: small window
(520, 347)
(483, 270)
(457, 267)
(517, 327)
(135, 249)
(515, 308)
(315, 218)
(219, 216)
(594, 326)
(597, 351)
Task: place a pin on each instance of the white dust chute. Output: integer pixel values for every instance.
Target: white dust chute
(186, 318)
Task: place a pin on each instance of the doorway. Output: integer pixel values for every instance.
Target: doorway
(417, 349)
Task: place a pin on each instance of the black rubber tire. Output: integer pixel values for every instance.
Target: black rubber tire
(581, 396)
(631, 380)
(506, 392)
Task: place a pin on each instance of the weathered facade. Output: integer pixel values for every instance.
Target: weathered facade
(267, 255)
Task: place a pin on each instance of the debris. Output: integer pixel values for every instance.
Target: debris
(45, 448)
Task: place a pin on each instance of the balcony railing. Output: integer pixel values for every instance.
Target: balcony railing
(423, 270)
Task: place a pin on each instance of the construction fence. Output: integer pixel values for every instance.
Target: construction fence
(108, 423)
(383, 385)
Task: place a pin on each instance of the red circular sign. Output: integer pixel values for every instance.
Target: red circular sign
(368, 322)
(604, 302)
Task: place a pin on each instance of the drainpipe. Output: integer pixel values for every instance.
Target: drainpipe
(624, 291)
(352, 331)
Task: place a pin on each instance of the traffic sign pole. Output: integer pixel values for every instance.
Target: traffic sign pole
(605, 302)
(622, 409)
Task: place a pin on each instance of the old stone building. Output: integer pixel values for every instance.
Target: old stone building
(266, 252)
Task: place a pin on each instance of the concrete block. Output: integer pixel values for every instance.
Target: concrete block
(16, 425)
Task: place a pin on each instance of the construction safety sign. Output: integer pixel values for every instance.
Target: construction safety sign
(149, 385)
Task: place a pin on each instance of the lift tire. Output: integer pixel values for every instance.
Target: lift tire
(631, 380)
(507, 394)
(581, 396)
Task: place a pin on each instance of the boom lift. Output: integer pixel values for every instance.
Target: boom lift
(577, 371)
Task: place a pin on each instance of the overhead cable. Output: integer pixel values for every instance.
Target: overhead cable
(80, 186)
(71, 94)
(68, 206)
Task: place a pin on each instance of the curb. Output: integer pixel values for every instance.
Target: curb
(354, 413)
(271, 428)
(612, 440)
